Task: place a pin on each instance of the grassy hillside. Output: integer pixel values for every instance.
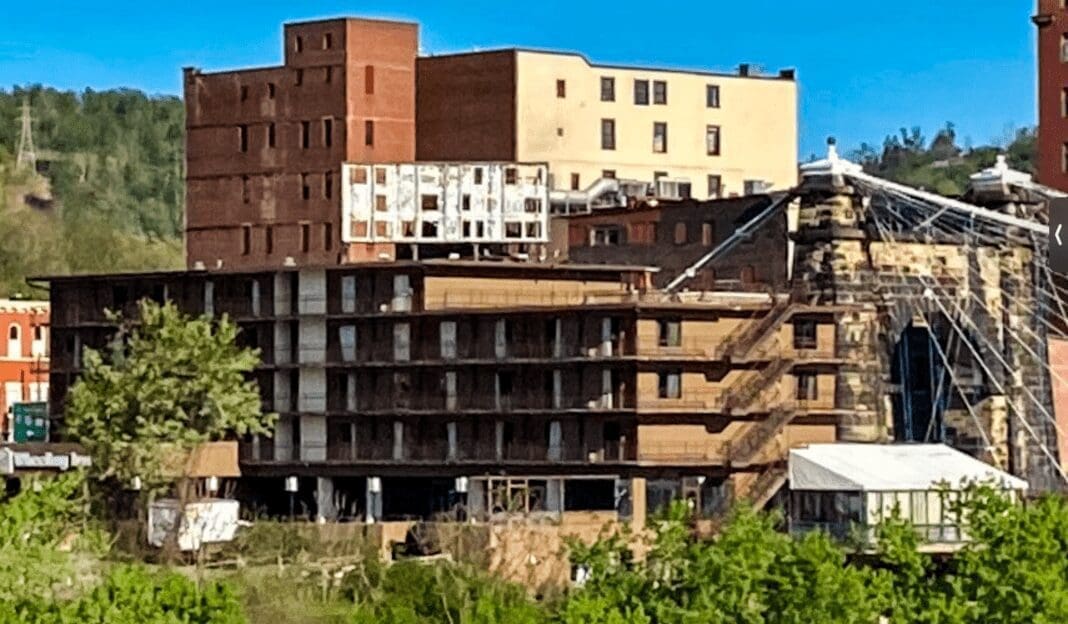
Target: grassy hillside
(107, 194)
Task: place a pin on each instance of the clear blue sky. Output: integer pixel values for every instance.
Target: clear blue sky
(864, 68)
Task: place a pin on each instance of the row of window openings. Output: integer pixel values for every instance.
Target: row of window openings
(305, 134)
(511, 175)
(669, 332)
(660, 137)
(305, 186)
(328, 77)
(430, 229)
(327, 42)
(14, 341)
(268, 238)
(641, 92)
(669, 385)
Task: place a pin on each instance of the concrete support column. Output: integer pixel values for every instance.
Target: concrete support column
(476, 499)
(638, 503)
(554, 496)
(326, 511)
(373, 505)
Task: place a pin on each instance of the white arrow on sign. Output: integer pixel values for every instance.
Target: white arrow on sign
(1057, 233)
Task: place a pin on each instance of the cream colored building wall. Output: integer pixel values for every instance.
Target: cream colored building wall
(477, 292)
(757, 119)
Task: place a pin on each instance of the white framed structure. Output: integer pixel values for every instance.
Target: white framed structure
(848, 489)
(468, 202)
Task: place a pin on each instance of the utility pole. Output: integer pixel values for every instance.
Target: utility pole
(27, 155)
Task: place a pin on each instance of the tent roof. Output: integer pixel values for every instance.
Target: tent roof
(888, 467)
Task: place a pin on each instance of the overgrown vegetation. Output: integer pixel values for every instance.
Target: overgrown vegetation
(109, 195)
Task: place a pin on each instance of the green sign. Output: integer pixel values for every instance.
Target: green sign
(30, 422)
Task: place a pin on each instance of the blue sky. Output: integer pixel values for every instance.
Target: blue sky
(864, 68)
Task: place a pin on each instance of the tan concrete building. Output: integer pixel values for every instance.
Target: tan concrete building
(722, 134)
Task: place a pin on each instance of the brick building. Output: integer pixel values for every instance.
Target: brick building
(1052, 22)
(23, 354)
(264, 147)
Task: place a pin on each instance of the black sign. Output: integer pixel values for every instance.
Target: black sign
(1058, 234)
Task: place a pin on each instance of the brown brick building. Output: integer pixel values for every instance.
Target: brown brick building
(264, 147)
(1052, 22)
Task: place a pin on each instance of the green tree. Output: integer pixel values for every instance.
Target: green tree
(166, 383)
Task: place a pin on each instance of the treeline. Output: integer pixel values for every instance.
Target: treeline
(108, 191)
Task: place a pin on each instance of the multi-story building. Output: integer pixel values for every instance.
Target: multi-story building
(264, 147)
(23, 354)
(405, 387)
(1052, 22)
(699, 134)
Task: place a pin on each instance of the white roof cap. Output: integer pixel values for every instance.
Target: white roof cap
(889, 467)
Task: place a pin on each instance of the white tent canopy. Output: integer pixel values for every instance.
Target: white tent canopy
(889, 467)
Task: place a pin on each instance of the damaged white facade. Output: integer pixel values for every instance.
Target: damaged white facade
(470, 202)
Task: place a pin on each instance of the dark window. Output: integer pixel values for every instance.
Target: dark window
(606, 236)
(659, 92)
(712, 140)
(748, 275)
(680, 233)
(608, 173)
(271, 140)
(305, 237)
(268, 238)
(805, 334)
(328, 74)
(245, 193)
(328, 40)
(715, 186)
(328, 132)
(478, 175)
(368, 132)
(369, 79)
(244, 92)
(574, 181)
(670, 331)
(305, 188)
(561, 89)
(608, 134)
(328, 236)
(305, 134)
(559, 132)
(465, 202)
(659, 137)
(246, 239)
(242, 135)
(328, 184)
(712, 96)
(429, 202)
(298, 77)
(708, 233)
(669, 385)
(270, 90)
(807, 387)
(641, 92)
(510, 175)
(608, 89)
(1064, 102)
(298, 44)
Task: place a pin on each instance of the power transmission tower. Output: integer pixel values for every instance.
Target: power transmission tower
(27, 155)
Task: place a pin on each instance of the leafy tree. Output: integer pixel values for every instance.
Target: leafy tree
(166, 383)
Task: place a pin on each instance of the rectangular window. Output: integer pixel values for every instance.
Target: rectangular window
(246, 239)
(328, 184)
(712, 140)
(429, 202)
(659, 92)
(712, 96)
(369, 79)
(510, 175)
(608, 134)
(328, 132)
(270, 90)
(380, 203)
(242, 137)
(708, 233)
(305, 134)
(328, 40)
(298, 44)
(305, 237)
(245, 191)
(1064, 102)
(804, 334)
(670, 331)
(608, 173)
(574, 181)
(369, 132)
(268, 239)
(753, 187)
(807, 387)
(608, 89)
(680, 233)
(244, 92)
(532, 205)
(328, 236)
(298, 77)
(606, 236)
(715, 186)
(1064, 48)
(668, 385)
(478, 175)
(328, 74)
(465, 202)
(561, 88)
(641, 92)
(305, 188)
(380, 175)
(271, 140)
(659, 137)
